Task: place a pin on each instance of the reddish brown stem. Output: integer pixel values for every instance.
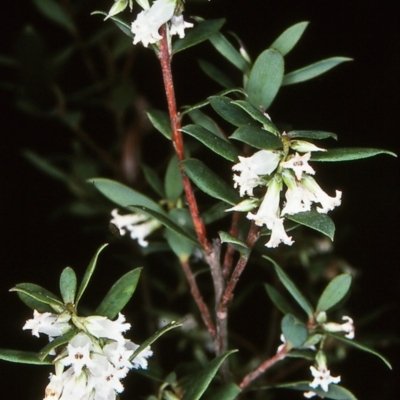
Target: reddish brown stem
(262, 368)
(230, 251)
(165, 60)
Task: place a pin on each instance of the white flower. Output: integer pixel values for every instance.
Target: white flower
(178, 26)
(140, 361)
(263, 162)
(149, 21)
(322, 378)
(139, 225)
(319, 196)
(299, 164)
(278, 234)
(347, 327)
(54, 388)
(118, 353)
(303, 146)
(79, 349)
(102, 327)
(50, 324)
(309, 394)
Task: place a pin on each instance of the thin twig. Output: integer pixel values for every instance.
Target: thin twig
(230, 251)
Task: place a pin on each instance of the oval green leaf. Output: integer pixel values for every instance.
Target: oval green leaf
(257, 137)
(119, 294)
(295, 332)
(231, 113)
(348, 154)
(265, 78)
(68, 284)
(153, 180)
(229, 391)
(215, 143)
(280, 302)
(315, 220)
(238, 244)
(289, 38)
(334, 292)
(58, 341)
(160, 121)
(311, 135)
(173, 180)
(207, 181)
(122, 25)
(313, 70)
(216, 74)
(23, 357)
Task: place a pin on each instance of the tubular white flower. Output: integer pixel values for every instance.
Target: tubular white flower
(322, 377)
(178, 26)
(299, 164)
(79, 349)
(102, 327)
(149, 21)
(50, 324)
(278, 234)
(302, 146)
(347, 327)
(263, 162)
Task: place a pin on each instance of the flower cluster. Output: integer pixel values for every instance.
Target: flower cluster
(273, 169)
(149, 21)
(97, 357)
(139, 225)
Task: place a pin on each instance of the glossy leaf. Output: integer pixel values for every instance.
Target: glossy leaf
(166, 221)
(280, 302)
(23, 357)
(295, 332)
(199, 118)
(68, 285)
(153, 338)
(88, 274)
(353, 343)
(311, 135)
(198, 383)
(289, 38)
(216, 74)
(39, 295)
(123, 195)
(213, 142)
(265, 78)
(313, 70)
(348, 154)
(58, 341)
(238, 244)
(257, 115)
(229, 391)
(119, 294)
(230, 112)
(207, 181)
(292, 288)
(225, 48)
(160, 121)
(153, 180)
(201, 32)
(52, 10)
(122, 25)
(257, 137)
(315, 220)
(334, 292)
(173, 180)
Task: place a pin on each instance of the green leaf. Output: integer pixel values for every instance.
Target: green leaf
(207, 181)
(313, 70)
(238, 244)
(45, 166)
(315, 220)
(68, 284)
(123, 195)
(58, 341)
(119, 294)
(292, 288)
(334, 292)
(348, 154)
(160, 121)
(153, 338)
(153, 180)
(88, 274)
(214, 213)
(295, 332)
(200, 381)
(289, 38)
(181, 246)
(117, 21)
(311, 135)
(52, 10)
(229, 391)
(334, 392)
(202, 31)
(257, 115)
(23, 357)
(216, 74)
(257, 137)
(280, 302)
(360, 347)
(39, 295)
(167, 222)
(173, 180)
(199, 118)
(213, 142)
(225, 48)
(230, 112)
(265, 78)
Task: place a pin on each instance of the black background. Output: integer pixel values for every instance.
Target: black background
(359, 101)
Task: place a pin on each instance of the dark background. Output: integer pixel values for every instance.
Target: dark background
(359, 101)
